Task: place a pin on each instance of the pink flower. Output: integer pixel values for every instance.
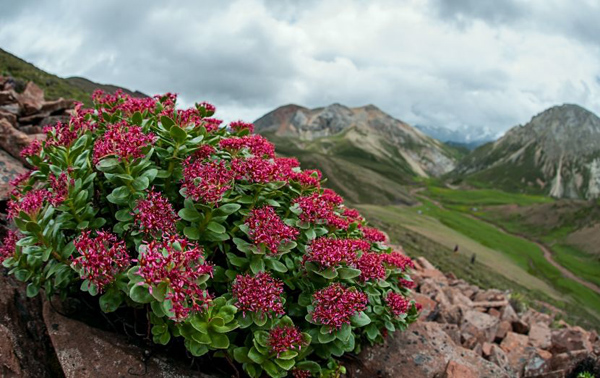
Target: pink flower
(255, 170)
(398, 260)
(211, 124)
(8, 245)
(60, 134)
(260, 294)
(299, 373)
(210, 109)
(17, 182)
(283, 338)
(33, 149)
(320, 208)
(60, 187)
(30, 204)
(329, 252)
(371, 266)
(206, 181)
(335, 305)
(155, 214)
(122, 140)
(397, 304)
(256, 144)
(204, 152)
(406, 283)
(180, 269)
(373, 234)
(268, 229)
(102, 258)
(352, 215)
(238, 126)
(289, 171)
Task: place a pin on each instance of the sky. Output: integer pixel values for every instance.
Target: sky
(449, 63)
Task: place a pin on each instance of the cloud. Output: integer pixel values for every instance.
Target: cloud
(445, 63)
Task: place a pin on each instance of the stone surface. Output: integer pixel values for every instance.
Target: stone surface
(12, 140)
(31, 99)
(499, 357)
(503, 328)
(456, 370)
(540, 336)
(9, 363)
(515, 347)
(538, 364)
(519, 326)
(423, 350)
(10, 168)
(570, 339)
(479, 326)
(88, 352)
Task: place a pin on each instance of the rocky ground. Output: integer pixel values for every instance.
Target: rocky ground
(463, 331)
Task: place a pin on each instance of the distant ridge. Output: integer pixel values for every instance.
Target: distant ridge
(557, 153)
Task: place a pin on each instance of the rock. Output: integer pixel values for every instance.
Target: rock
(13, 140)
(480, 326)
(10, 168)
(11, 108)
(423, 350)
(570, 339)
(31, 99)
(538, 364)
(540, 336)
(428, 304)
(35, 118)
(7, 97)
(10, 117)
(495, 313)
(486, 349)
(564, 361)
(520, 326)
(456, 370)
(498, 304)
(54, 106)
(30, 129)
(499, 357)
(451, 314)
(503, 328)
(424, 264)
(491, 295)
(51, 120)
(9, 363)
(531, 316)
(509, 314)
(515, 347)
(88, 352)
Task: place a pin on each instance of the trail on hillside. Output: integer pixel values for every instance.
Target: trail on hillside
(547, 253)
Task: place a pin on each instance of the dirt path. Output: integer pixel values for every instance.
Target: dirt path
(547, 253)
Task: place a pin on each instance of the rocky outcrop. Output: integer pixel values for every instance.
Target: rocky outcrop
(520, 345)
(22, 118)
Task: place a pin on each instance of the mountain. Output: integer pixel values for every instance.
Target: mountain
(367, 155)
(557, 153)
(470, 137)
(54, 87)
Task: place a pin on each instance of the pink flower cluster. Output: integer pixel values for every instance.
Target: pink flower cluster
(102, 257)
(180, 269)
(333, 252)
(8, 245)
(33, 149)
(397, 303)
(398, 260)
(60, 187)
(155, 214)
(372, 234)
(299, 373)
(60, 134)
(289, 171)
(283, 338)
(258, 145)
(238, 126)
(335, 305)
(267, 228)
(371, 266)
(320, 208)
(123, 140)
(204, 152)
(260, 294)
(206, 181)
(18, 181)
(30, 204)
(211, 124)
(406, 283)
(209, 108)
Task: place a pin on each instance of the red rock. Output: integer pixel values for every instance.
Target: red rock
(480, 326)
(428, 304)
(53, 106)
(31, 99)
(451, 314)
(495, 313)
(12, 140)
(10, 168)
(531, 316)
(423, 350)
(7, 97)
(10, 117)
(503, 328)
(486, 349)
(515, 345)
(424, 264)
(564, 361)
(491, 295)
(570, 339)
(509, 314)
(456, 370)
(85, 352)
(540, 336)
(499, 358)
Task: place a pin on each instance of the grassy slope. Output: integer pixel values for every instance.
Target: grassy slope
(54, 87)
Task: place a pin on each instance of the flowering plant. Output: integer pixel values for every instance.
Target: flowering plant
(226, 246)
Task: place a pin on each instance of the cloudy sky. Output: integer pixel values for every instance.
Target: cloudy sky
(434, 62)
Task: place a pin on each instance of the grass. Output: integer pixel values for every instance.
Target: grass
(491, 268)
(578, 262)
(483, 197)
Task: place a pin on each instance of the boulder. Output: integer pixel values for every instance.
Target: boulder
(31, 99)
(509, 314)
(479, 326)
(84, 352)
(531, 316)
(540, 336)
(51, 120)
(56, 105)
(428, 304)
(565, 361)
(538, 364)
(515, 347)
(500, 359)
(503, 328)
(520, 326)
(7, 97)
(457, 370)
(10, 117)
(570, 339)
(9, 362)
(10, 168)
(13, 140)
(423, 350)
(491, 295)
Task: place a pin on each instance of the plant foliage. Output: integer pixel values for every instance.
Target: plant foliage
(235, 251)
